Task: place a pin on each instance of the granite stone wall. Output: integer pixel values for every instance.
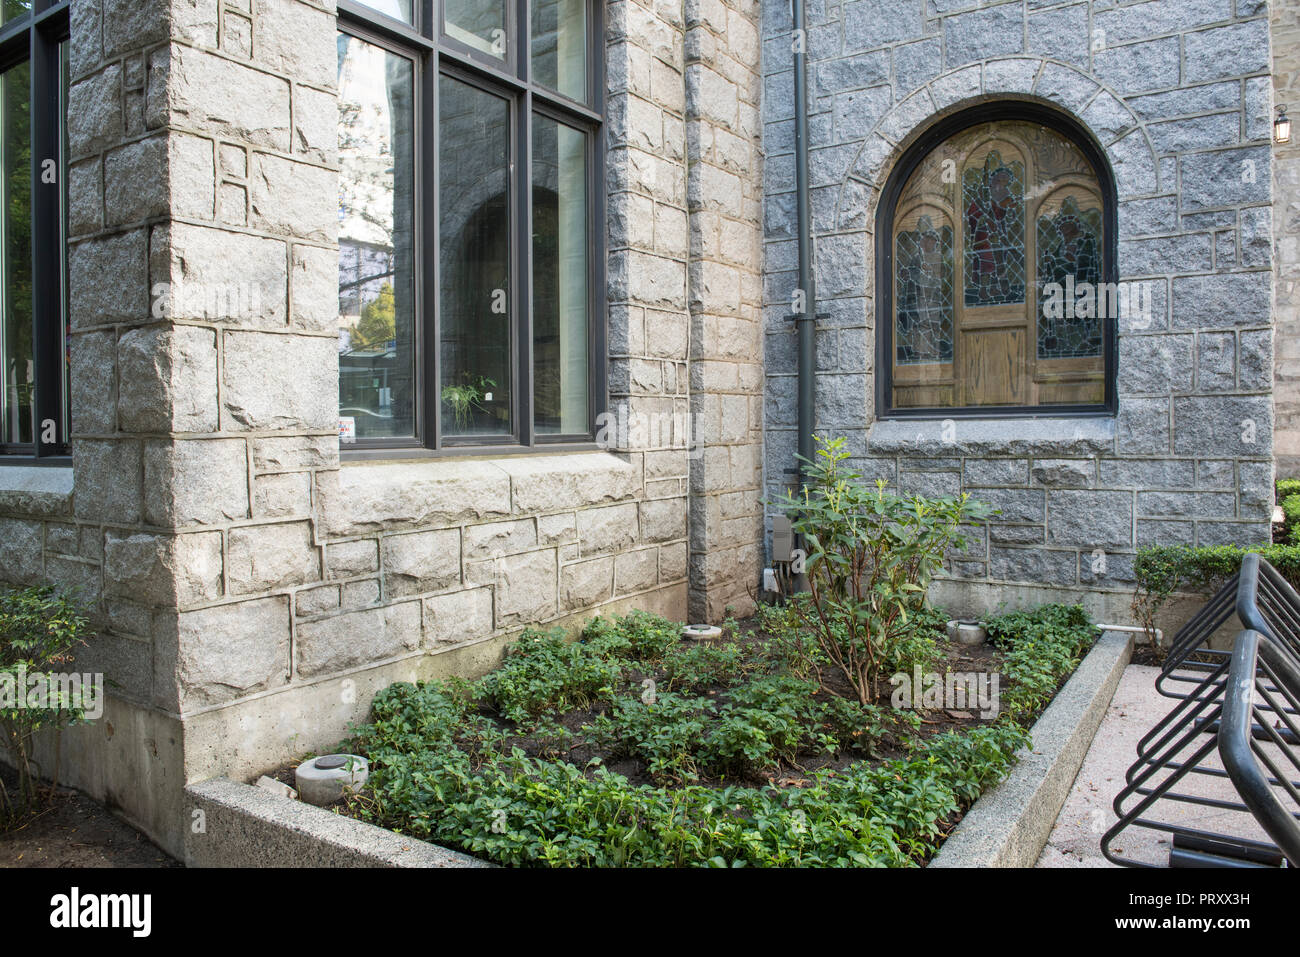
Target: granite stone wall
(251, 587)
(1285, 29)
(1177, 94)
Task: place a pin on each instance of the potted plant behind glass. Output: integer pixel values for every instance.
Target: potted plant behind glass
(467, 397)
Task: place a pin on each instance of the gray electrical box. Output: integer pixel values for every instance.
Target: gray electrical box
(782, 539)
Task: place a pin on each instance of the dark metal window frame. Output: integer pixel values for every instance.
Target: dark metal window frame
(433, 54)
(936, 135)
(35, 38)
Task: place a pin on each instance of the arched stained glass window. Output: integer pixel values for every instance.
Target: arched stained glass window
(995, 273)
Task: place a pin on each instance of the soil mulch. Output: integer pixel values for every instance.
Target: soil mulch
(74, 831)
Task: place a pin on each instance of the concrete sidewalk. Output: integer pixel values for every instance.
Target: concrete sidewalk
(1075, 840)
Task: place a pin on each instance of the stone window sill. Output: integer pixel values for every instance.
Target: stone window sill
(36, 489)
(377, 496)
(1044, 435)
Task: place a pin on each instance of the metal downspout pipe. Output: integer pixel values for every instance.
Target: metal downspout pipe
(805, 317)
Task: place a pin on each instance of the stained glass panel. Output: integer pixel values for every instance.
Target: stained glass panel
(988, 224)
(993, 201)
(1071, 298)
(923, 281)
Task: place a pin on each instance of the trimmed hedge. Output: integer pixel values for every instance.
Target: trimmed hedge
(1161, 570)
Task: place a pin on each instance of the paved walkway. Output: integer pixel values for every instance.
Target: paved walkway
(1087, 815)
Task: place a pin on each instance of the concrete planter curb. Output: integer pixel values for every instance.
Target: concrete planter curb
(245, 826)
(1008, 826)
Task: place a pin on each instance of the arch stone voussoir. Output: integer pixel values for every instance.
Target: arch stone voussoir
(1117, 129)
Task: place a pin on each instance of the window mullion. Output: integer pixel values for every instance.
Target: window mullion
(47, 276)
(523, 305)
(427, 322)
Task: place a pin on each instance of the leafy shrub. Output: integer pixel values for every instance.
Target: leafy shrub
(520, 811)
(542, 672)
(699, 666)
(638, 635)
(664, 733)
(870, 554)
(1288, 497)
(789, 648)
(39, 628)
(1038, 648)
(442, 771)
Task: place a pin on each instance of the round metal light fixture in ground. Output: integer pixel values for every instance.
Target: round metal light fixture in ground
(322, 781)
(702, 632)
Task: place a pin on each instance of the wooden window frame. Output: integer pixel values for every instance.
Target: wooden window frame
(935, 136)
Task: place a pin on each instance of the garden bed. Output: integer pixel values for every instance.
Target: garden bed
(633, 747)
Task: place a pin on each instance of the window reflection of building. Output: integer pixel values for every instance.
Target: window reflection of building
(376, 345)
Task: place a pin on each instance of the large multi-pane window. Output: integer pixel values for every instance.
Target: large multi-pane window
(33, 299)
(469, 244)
(997, 273)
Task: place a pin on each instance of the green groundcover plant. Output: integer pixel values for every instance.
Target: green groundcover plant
(447, 765)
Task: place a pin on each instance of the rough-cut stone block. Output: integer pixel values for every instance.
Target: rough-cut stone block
(608, 529)
(91, 300)
(295, 452)
(1142, 425)
(195, 481)
(458, 617)
(1228, 425)
(1014, 505)
(1163, 504)
(996, 472)
(274, 381)
(584, 584)
(228, 651)
(969, 37)
(1090, 519)
(500, 538)
(292, 38)
(1038, 565)
(635, 571)
(106, 477)
(282, 496)
(163, 570)
(369, 498)
(874, 23)
(266, 557)
(1225, 177)
(349, 559)
(293, 199)
(550, 483)
(94, 370)
(220, 96)
(1141, 474)
(357, 638)
(663, 520)
(526, 588)
(1228, 299)
(421, 561)
(314, 279)
(95, 111)
(214, 275)
(1063, 473)
(316, 601)
(168, 380)
(20, 552)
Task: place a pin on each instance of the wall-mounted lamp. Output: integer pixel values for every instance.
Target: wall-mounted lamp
(1282, 126)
